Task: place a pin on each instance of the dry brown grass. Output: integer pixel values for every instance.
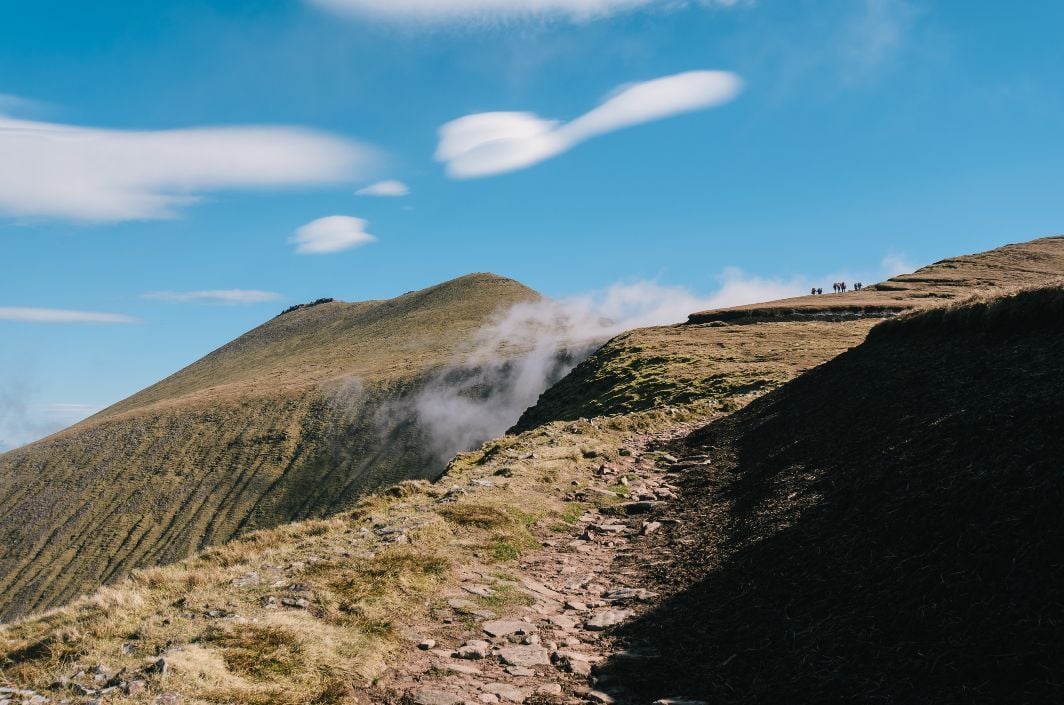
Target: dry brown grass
(281, 425)
(363, 593)
(1020, 308)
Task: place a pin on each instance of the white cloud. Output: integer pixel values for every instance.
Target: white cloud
(63, 408)
(24, 418)
(494, 143)
(385, 189)
(895, 263)
(517, 356)
(55, 315)
(437, 11)
(215, 296)
(97, 175)
(331, 234)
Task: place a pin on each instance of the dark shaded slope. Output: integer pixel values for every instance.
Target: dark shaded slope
(727, 354)
(886, 528)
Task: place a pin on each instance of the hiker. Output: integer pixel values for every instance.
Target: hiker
(812, 292)
(843, 287)
(819, 290)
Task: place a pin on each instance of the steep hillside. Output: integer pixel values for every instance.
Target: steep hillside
(295, 419)
(886, 528)
(733, 354)
(869, 531)
(1023, 264)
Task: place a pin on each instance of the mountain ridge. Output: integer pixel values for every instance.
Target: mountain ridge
(284, 423)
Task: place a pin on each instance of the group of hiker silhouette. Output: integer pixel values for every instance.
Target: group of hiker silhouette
(839, 287)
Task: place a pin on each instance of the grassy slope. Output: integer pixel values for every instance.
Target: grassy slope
(886, 528)
(671, 366)
(281, 424)
(1021, 264)
(211, 618)
(721, 356)
(365, 590)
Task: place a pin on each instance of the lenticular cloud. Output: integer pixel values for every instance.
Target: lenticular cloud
(494, 143)
(91, 174)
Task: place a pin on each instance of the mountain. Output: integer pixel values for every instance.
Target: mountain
(886, 528)
(1022, 264)
(754, 508)
(295, 419)
(717, 357)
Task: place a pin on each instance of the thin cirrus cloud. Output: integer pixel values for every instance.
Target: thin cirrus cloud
(56, 315)
(333, 233)
(76, 173)
(486, 144)
(223, 297)
(440, 11)
(385, 189)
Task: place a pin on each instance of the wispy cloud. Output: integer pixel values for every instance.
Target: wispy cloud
(334, 233)
(494, 143)
(88, 174)
(385, 189)
(533, 344)
(228, 297)
(441, 11)
(895, 263)
(56, 315)
(24, 418)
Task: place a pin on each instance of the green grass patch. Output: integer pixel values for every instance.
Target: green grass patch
(506, 596)
(503, 551)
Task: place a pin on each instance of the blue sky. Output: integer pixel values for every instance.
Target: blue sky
(155, 154)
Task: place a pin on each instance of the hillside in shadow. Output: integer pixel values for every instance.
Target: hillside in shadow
(886, 528)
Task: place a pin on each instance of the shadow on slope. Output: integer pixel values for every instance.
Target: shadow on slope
(887, 528)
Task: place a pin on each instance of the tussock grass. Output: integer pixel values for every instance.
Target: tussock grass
(986, 313)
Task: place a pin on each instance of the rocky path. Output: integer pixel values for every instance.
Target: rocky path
(547, 634)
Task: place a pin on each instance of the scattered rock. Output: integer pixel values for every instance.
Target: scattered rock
(502, 627)
(474, 649)
(604, 620)
(246, 580)
(520, 671)
(481, 590)
(434, 697)
(597, 696)
(527, 656)
(572, 662)
(135, 687)
(159, 666)
(626, 594)
(426, 644)
(299, 603)
(461, 605)
(505, 691)
(562, 622)
(459, 668)
(649, 527)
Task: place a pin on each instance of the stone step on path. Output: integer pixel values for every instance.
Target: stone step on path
(550, 648)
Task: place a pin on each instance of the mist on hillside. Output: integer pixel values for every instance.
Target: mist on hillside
(532, 345)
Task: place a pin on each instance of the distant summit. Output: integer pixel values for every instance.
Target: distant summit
(283, 423)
